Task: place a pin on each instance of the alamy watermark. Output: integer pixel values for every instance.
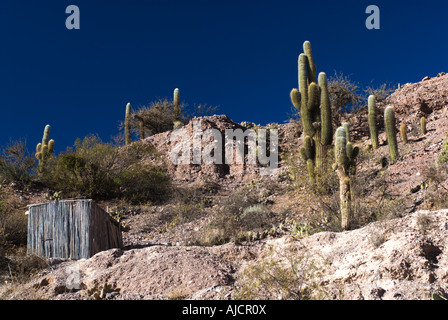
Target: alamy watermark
(73, 21)
(234, 146)
(73, 281)
(373, 20)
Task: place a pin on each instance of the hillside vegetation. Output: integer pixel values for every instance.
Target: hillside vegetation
(355, 209)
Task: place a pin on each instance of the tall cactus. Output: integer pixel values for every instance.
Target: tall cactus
(372, 122)
(176, 102)
(351, 150)
(391, 132)
(342, 165)
(45, 150)
(127, 125)
(313, 102)
(307, 152)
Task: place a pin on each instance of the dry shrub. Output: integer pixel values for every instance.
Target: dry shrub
(17, 164)
(239, 216)
(13, 222)
(286, 275)
(381, 92)
(435, 187)
(161, 116)
(16, 271)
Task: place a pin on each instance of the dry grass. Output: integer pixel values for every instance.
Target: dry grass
(282, 274)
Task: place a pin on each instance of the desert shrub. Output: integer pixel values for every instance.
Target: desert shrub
(289, 275)
(16, 272)
(201, 110)
(243, 215)
(424, 223)
(436, 192)
(443, 155)
(381, 92)
(158, 117)
(234, 218)
(13, 222)
(344, 96)
(161, 116)
(102, 171)
(17, 164)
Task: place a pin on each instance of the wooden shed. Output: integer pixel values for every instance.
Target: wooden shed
(75, 229)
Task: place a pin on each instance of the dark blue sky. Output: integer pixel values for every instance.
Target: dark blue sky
(238, 55)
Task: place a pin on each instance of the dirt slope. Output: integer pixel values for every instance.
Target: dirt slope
(404, 258)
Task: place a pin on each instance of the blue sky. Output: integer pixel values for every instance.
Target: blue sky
(238, 55)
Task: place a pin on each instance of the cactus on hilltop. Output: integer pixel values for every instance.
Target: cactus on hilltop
(313, 102)
(391, 132)
(127, 125)
(45, 149)
(176, 102)
(372, 121)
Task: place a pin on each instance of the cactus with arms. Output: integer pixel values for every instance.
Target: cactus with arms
(313, 102)
(45, 150)
(391, 132)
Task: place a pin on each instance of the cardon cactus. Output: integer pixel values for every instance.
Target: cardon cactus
(352, 151)
(391, 132)
(127, 125)
(176, 102)
(372, 121)
(404, 133)
(307, 153)
(313, 102)
(45, 150)
(342, 164)
(423, 125)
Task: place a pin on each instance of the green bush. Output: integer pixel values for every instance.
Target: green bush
(443, 155)
(103, 171)
(17, 164)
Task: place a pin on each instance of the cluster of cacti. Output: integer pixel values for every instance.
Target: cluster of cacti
(127, 125)
(344, 154)
(391, 132)
(45, 150)
(423, 125)
(313, 102)
(372, 121)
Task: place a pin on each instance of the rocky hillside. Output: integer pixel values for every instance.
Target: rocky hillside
(398, 249)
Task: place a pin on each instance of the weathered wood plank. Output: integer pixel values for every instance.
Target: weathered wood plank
(71, 229)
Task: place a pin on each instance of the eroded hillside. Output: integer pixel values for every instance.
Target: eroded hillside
(226, 232)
